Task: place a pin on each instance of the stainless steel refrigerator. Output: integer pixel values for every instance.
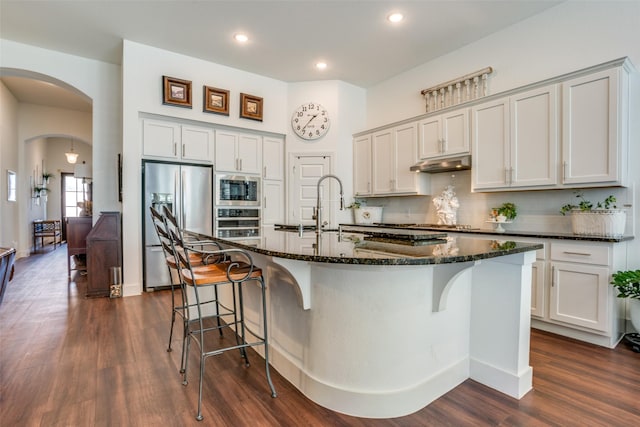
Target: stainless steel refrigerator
(187, 190)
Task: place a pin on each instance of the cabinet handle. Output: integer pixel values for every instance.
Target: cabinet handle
(553, 276)
(264, 202)
(183, 150)
(240, 163)
(444, 145)
(175, 148)
(576, 253)
(264, 171)
(237, 167)
(564, 170)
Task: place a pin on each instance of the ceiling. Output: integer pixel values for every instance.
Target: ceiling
(286, 38)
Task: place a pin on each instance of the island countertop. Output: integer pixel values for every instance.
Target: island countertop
(398, 247)
(425, 311)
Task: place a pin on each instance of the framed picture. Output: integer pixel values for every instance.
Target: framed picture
(176, 92)
(11, 186)
(250, 107)
(215, 100)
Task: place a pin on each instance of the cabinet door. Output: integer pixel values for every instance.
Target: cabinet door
(405, 155)
(197, 144)
(455, 132)
(362, 165)
(590, 130)
(490, 144)
(537, 289)
(226, 158)
(534, 138)
(273, 158)
(430, 140)
(272, 202)
(579, 295)
(383, 160)
(160, 139)
(250, 154)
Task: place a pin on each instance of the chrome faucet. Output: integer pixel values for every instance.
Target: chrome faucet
(317, 212)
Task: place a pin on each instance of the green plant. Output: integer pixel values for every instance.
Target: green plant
(355, 204)
(47, 175)
(587, 205)
(627, 283)
(508, 209)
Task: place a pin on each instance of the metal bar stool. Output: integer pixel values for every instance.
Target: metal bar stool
(232, 267)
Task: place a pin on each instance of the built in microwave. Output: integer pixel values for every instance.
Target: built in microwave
(237, 190)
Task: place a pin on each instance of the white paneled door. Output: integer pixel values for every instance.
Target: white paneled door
(306, 170)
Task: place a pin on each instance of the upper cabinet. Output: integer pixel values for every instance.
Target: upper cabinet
(170, 140)
(515, 141)
(444, 135)
(273, 158)
(238, 153)
(594, 134)
(362, 165)
(394, 151)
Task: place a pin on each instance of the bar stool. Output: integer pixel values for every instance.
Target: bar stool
(219, 268)
(178, 305)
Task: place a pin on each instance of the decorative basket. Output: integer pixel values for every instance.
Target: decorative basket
(599, 222)
(367, 215)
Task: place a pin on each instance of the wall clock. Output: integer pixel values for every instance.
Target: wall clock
(310, 121)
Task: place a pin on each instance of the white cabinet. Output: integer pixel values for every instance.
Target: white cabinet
(515, 141)
(273, 202)
(444, 135)
(594, 135)
(273, 158)
(394, 152)
(169, 140)
(273, 182)
(238, 152)
(362, 165)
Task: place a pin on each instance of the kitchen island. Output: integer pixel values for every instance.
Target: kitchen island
(379, 327)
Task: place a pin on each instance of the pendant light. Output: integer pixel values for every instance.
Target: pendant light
(71, 156)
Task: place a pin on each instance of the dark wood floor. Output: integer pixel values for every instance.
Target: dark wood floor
(71, 361)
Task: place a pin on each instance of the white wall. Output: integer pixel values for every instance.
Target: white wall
(9, 211)
(569, 37)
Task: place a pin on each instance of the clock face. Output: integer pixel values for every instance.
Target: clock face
(310, 121)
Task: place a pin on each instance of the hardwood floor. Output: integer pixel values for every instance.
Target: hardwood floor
(71, 361)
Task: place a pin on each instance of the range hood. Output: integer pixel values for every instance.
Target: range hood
(458, 163)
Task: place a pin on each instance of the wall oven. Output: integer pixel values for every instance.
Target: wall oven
(237, 190)
(238, 223)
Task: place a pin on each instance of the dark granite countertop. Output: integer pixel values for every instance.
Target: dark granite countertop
(358, 248)
(511, 233)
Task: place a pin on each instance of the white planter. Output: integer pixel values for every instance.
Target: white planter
(367, 215)
(601, 222)
(634, 313)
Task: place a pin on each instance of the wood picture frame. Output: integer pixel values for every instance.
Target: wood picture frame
(215, 100)
(251, 107)
(176, 92)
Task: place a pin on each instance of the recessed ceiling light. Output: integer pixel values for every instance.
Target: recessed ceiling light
(321, 65)
(241, 38)
(395, 17)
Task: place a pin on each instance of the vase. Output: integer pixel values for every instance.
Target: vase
(634, 313)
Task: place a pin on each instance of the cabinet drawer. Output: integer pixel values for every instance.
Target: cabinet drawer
(579, 253)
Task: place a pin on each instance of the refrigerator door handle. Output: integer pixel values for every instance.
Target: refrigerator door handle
(175, 195)
(182, 185)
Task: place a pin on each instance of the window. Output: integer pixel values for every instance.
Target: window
(73, 189)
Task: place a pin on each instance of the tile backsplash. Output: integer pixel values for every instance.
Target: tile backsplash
(537, 210)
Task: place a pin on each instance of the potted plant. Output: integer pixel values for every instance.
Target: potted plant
(46, 176)
(363, 214)
(603, 219)
(628, 285)
(506, 212)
